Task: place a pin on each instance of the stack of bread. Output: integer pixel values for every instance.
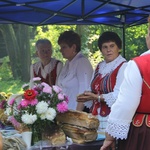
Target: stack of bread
(81, 127)
(55, 135)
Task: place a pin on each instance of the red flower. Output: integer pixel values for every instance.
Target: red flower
(30, 94)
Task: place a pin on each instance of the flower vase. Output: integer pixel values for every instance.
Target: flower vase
(36, 136)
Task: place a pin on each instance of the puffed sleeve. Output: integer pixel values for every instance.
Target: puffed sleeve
(84, 74)
(123, 110)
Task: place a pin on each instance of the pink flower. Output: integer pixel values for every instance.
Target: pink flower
(38, 88)
(33, 102)
(2, 104)
(62, 107)
(11, 102)
(46, 88)
(57, 89)
(19, 107)
(14, 121)
(24, 103)
(36, 79)
(67, 99)
(61, 96)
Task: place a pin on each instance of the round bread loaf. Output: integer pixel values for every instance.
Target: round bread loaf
(78, 118)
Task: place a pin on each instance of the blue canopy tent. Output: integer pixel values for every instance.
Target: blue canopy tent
(42, 12)
(118, 13)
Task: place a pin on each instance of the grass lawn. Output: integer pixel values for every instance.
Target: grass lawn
(12, 86)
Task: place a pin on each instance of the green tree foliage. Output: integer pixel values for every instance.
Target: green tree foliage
(135, 41)
(20, 39)
(16, 39)
(52, 33)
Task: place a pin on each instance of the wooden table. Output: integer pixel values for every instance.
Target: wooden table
(87, 146)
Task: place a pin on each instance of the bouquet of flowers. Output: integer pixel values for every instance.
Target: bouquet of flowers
(37, 107)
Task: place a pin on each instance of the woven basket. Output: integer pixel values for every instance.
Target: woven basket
(3, 117)
(1, 142)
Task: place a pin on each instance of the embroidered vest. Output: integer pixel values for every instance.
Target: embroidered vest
(103, 85)
(50, 78)
(143, 109)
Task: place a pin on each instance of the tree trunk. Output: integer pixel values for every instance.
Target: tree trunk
(83, 30)
(17, 44)
(24, 51)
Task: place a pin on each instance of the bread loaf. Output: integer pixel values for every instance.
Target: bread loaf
(80, 126)
(55, 135)
(78, 118)
(79, 134)
(59, 138)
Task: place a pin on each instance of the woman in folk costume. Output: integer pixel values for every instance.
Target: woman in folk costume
(107, 78)
(129, 120)
(48, 68)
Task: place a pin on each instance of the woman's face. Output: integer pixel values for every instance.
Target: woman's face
(110, 51)
(68, 52)
(44, 51)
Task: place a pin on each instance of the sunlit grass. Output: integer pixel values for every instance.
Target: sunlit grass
(7, 83)
(13, 86)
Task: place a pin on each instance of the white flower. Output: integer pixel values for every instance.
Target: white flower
(8, 111)
(50, 114)
(43, 116)
(29, 118)
(15, 112)
(41, 107)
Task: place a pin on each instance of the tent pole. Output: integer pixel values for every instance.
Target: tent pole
(123, 37)
(122, 19)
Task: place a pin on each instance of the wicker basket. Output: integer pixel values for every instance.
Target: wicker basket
(1, 142)
(4, 117)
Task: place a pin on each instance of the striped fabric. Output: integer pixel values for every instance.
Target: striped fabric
(103, 85)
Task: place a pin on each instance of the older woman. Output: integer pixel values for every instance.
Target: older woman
(48, 68)
(106, 79)
(77, 72)
(129, 120)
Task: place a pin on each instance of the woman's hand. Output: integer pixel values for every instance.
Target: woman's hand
(86, 96)
(108, 143)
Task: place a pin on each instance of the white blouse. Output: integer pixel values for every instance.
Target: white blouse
(75, 78)
(48, 68)
(123, 110)
(109, 98)
(105, 68)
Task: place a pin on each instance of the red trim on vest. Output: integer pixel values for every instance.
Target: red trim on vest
(138, 120)
(105, 110)
(95, 107)
(147, 121)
